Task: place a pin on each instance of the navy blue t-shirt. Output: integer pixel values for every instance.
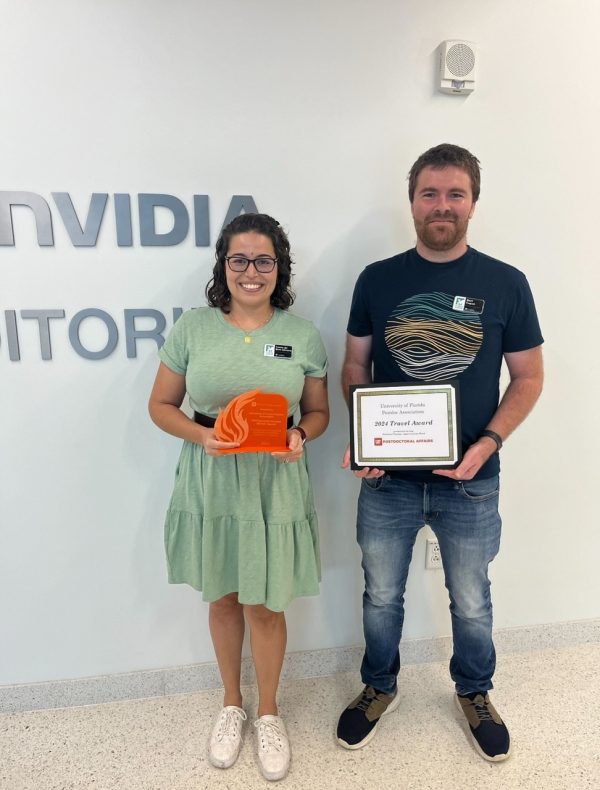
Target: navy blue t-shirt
(442, 321)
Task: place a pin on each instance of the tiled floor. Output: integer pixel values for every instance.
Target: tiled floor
(548, 697)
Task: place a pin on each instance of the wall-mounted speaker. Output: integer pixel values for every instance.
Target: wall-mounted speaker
(458, 61)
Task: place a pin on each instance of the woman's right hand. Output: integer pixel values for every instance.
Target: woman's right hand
(212, 445)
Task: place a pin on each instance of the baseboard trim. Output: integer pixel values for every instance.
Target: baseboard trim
(305, 664)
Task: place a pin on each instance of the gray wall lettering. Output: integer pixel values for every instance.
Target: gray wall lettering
(201, 223)
(43, 318)
(132, 333)
(41, 212)
(84, 232)
(123, 220)
(111, 340)
(88, 236)
(181, 222)
(12, 335)
(240, 204)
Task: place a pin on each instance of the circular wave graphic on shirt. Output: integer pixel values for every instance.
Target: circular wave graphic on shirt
(431, 341)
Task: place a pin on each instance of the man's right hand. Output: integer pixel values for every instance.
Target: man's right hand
(366, 471)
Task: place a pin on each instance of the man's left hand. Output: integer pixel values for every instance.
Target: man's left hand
(472, 461)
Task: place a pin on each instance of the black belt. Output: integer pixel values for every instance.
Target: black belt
(209, 422)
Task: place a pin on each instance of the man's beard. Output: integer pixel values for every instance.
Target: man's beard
(441, 237)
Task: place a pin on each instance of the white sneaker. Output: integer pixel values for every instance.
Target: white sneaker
(226, 737)
(273, 747)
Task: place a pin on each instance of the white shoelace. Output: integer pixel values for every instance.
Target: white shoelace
(230, 723)
(270, 735)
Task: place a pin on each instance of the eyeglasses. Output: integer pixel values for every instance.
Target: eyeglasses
(263, 265)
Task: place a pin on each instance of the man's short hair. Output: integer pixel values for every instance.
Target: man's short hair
(446, 155)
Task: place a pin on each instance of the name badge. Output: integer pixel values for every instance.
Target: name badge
(278, 351)
(463, 303)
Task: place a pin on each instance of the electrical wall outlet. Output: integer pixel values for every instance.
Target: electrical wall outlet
(433, 558)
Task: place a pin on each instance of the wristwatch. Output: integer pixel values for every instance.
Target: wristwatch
(493, 435)
(301, 431)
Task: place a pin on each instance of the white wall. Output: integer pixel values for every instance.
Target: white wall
(318, 109)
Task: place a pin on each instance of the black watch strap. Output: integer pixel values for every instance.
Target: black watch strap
(301, 431)
(495, 436)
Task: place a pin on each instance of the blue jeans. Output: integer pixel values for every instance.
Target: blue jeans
(464, 517)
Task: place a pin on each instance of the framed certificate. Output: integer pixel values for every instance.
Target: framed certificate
(405, 426)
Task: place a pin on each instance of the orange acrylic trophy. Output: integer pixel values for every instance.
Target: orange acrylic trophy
(255, 419)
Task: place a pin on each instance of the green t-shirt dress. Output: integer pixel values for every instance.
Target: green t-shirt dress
(244, 522)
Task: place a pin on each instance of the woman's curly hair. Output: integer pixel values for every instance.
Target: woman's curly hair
(217, 292)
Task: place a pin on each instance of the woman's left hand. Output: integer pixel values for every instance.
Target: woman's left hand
(295, 448)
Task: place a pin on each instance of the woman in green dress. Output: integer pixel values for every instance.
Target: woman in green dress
(242, 527)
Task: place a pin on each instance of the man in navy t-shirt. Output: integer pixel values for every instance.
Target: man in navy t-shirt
(441, 311)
